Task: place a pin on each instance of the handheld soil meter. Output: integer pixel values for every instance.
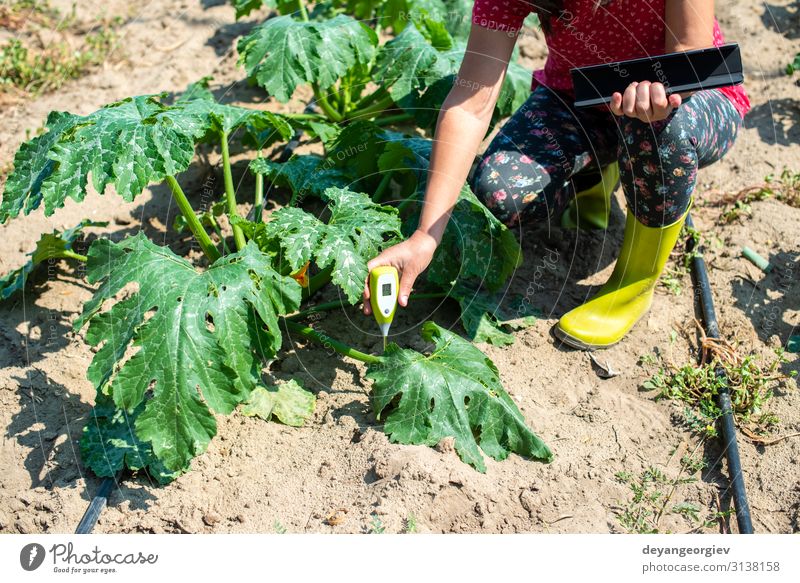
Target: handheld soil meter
(383, 287)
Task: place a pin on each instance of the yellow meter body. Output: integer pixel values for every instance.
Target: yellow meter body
(384, 285)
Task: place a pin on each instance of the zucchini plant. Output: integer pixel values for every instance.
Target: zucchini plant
(179, 341)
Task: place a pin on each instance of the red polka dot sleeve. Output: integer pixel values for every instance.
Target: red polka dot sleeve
(500, 14)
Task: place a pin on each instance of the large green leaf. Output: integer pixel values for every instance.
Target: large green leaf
(199, 338)
(263, 127)
(245, 7)
(356, 232)
(453, 392)
(283, 53)
(23, 189)
(407, 64)
(50, 246)
(109, 443)
(127, 144)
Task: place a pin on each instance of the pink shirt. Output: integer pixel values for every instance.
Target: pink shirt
(580, 36)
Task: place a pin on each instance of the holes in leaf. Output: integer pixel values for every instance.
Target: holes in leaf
(466, 401)
(179, 299)
(256, 279)
(210, 323)
(432, 404)
(149, 314)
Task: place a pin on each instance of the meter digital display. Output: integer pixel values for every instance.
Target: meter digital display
(386, 289)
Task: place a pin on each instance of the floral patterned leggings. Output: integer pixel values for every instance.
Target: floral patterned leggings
(528, 171)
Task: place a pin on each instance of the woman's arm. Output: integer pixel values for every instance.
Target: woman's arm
(689, 24)
(462, 124)
(460, 129)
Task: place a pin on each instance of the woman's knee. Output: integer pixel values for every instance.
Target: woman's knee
(658, 168)
(511, 184)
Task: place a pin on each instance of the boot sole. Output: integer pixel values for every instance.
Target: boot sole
(573, 342)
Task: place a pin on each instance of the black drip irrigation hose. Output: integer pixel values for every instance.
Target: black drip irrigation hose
(703, 287)
(99, 502)
(96, 506)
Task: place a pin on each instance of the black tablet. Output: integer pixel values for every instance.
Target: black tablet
(685, 71)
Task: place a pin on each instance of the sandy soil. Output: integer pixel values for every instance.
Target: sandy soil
(340, 473)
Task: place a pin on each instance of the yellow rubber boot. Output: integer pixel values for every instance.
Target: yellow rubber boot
(591, 207)
(626, 297)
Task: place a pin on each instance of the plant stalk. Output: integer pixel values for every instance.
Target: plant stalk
(302, 116)
(230, 195)
(258, 197)
(192, 221)
(379, 93)
(325, 105)
(328, 342)
(382, 186)
(317, 281)
(303, 11)
(372, 110)
(390, 119)
(402, 206)
(70, 254)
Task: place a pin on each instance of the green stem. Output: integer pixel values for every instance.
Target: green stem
(70, 254)
(192, 221)
(303, 11)
(396, 118)
(382, 186)
(379, 93)
(302, 116)
(327, 341)
(373, 109)
(230, 195)
(325, 105)
(345, 96)
(402, 206)
(317, 281)
(258, 198)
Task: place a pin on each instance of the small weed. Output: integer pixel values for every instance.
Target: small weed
(647, 359)
(410, 525)
(652, 491)
(278, 527)
(376, 525)
(785, 188)
(749, 384)
(794, 66)
(736, 213)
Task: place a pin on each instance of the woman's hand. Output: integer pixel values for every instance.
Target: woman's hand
(410, 258)
(645, 101)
